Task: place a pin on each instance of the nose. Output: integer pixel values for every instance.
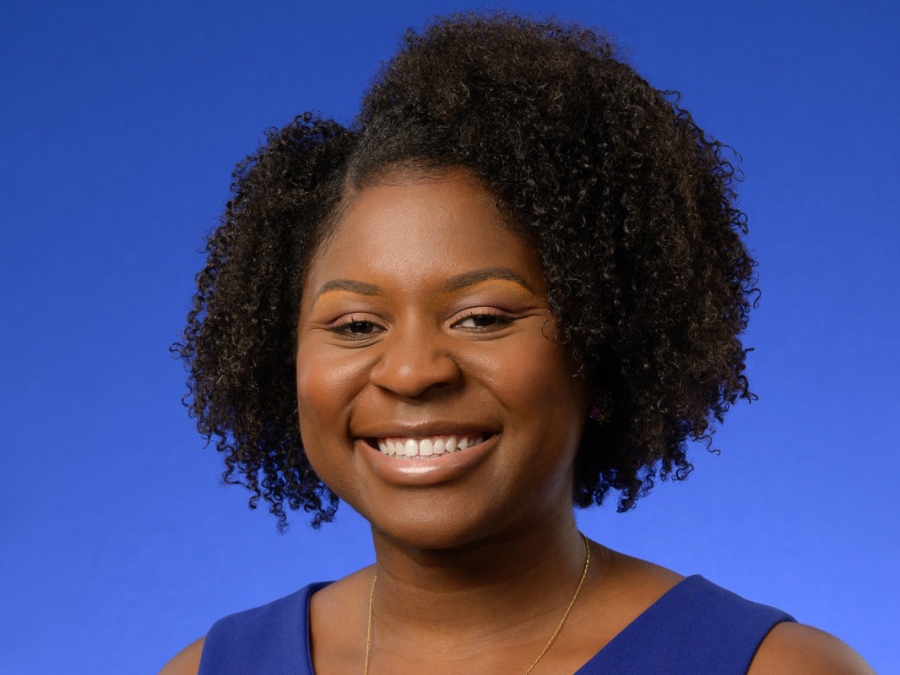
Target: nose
(414, 363)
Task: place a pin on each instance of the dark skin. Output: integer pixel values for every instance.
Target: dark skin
(425, 316)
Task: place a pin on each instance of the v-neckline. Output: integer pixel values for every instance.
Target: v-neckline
(591, 666)
(595, 663)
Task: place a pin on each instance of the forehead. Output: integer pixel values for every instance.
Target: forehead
(412, 230)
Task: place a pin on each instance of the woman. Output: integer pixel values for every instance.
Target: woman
(514, 286)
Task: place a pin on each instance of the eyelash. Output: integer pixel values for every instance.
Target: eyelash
(497, 321)
(344, 328)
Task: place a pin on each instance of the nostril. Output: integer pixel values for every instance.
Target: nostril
(414, 372)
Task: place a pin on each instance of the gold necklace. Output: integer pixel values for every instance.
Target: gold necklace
(587, 562)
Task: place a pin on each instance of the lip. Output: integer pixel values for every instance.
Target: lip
(422, 429)
(425, 471)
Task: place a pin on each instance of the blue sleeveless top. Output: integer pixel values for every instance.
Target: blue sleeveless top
(696, 628)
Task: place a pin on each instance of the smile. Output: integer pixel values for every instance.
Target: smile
(461, 454)
(406, 447)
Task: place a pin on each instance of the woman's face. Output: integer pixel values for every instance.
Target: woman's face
(433, 395)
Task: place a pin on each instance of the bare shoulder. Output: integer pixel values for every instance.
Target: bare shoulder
(645, 582)
(337, 619)
(795, 649)
(185, 662)
(335, 599)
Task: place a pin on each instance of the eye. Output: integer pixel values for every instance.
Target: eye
(483, 321)
(356, 329)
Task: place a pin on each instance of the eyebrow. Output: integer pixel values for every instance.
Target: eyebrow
(358, 287)
(461, 281)
(455, 283)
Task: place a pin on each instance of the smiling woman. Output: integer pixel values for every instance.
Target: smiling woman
(514, 286)
(424, 325)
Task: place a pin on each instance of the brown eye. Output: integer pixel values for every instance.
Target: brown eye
(360, 327)
(483, 321)
(356, 329)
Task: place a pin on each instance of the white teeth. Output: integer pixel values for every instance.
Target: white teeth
(426, 447)
(410, 448)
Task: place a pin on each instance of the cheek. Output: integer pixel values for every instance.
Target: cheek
(535, 382)
(543, 372)
(325, 391)
(323, 410)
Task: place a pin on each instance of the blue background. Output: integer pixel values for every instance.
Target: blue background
(119, 125)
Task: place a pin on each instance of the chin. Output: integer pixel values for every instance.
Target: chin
(432, 529)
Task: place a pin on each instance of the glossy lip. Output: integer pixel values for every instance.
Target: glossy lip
(423, 472)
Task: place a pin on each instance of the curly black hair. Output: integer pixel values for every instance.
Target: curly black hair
(630, 205)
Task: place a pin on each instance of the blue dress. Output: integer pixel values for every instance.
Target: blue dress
(696, 628)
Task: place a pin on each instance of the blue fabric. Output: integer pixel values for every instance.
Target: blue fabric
(697, 628)
(268, 640)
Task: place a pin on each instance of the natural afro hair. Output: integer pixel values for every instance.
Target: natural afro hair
(629, 204)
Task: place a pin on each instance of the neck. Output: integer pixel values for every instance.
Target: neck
(496, 586)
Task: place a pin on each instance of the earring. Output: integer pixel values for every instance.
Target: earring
(600, 411)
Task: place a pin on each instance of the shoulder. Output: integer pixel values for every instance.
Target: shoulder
(185, 662)
(795, 649)
(253, 640)
(336, 621)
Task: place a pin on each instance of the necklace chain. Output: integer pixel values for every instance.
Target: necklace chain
(587, 562)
